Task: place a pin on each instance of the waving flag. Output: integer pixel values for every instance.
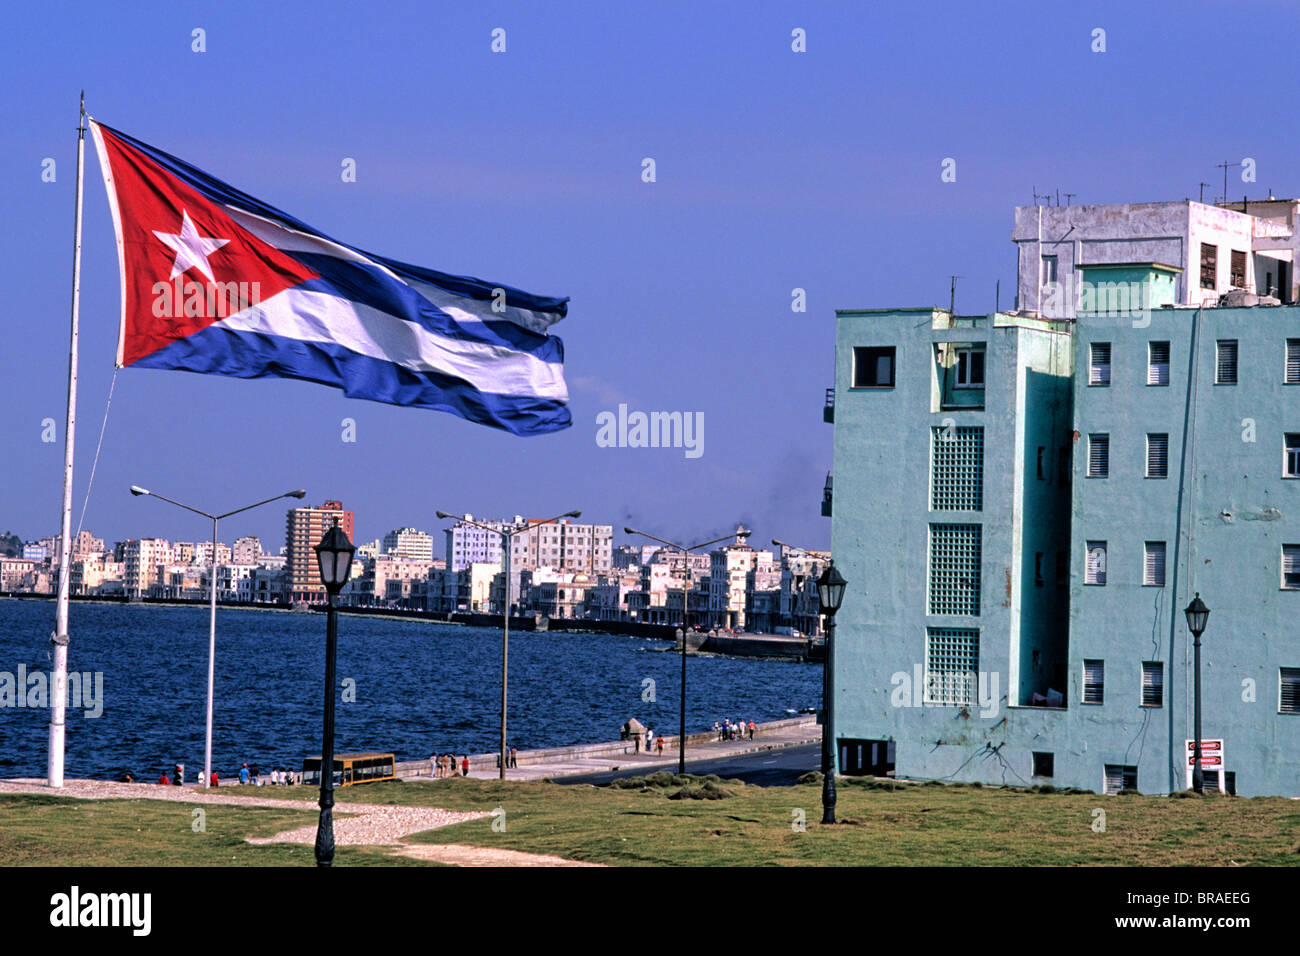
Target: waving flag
(218, 282)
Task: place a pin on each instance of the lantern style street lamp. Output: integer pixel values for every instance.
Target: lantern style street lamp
(334, 559)
(1198, 615)
(830, 595)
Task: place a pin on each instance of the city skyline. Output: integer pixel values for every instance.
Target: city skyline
(662, 276)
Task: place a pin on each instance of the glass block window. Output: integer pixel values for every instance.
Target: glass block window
(1099, 455)
(1157, 455)
(1153, 684)
(954, 569)
(1094, 682)
(957, 468)
(1225, 362)
(1153, 564)
(1288, 690)
(1158, 364)
(952, 660)
(1095, 568)
(1099, 363)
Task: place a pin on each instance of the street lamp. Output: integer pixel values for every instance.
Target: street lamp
(830, 595)
(686, 590)
(212, 612)
(1197, 617)
(507, 535)
(334, 558)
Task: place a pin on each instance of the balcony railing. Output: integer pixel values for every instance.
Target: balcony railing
(828, 410)
(826, 497)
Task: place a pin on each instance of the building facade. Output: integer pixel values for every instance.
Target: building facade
(304, 528)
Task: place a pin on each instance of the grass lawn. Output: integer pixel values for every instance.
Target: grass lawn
(726, 824)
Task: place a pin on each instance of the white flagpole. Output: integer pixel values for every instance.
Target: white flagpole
(59, 680)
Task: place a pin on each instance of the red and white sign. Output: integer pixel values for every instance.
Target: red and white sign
(1211, 761)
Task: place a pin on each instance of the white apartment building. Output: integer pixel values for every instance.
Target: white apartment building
(246, 550)
(408, 543)
(140, 560)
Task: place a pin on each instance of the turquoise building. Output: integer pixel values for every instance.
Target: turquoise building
(1023, 507)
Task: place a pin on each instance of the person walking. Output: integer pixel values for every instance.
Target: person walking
(464, 766)
(649, 739)
(751, 729)
(514, 757)
(659, 742)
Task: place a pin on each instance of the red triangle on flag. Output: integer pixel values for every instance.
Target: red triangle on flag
(185, 262)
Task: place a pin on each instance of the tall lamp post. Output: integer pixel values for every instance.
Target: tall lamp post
(686, 591)
(1197, 616)
(212, 607)
(334, 558)
(507, 535)
(830, 595)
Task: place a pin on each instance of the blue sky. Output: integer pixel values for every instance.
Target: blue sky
(775, 170)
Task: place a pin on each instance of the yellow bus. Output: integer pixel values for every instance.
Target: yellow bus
(351, 768)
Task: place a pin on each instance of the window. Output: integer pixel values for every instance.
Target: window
(1153, 564)
(1288, 679)
(1120, 778)
(1099, 455)
(1153, 684)
(957, 468)
(970, 368)
(954, 569)
(1095, 569)
(1209, 265)
(873, 367)
(1099, 363)
(1293, 361)
(1291, 455)
(1237, 277)
(1158, 364)
(1291, 566)
(1094, 681)
(1038, 568)
(1049, 270)
(952, 660)
(1157, 455)
(1225, 362)
(1044, 764)
(1042, 468)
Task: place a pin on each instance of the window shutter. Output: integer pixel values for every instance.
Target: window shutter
(1293, 361)
(1291, 565)
(1099, 367)
(1094, 681)
(1157, 456)
(1153, 684)
(1098, 456)
(1153, 571)
(1225, 370)
(1290, 690)
(1158, 365)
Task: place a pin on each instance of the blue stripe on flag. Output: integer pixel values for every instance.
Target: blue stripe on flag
(221, 351)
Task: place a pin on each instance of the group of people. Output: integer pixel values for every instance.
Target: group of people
(512, 757)
(726, 730)
(444, 765)
(247, 775)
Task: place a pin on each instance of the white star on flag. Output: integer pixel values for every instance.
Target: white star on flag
(191, 249)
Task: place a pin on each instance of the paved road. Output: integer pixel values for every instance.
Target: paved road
(767, 768)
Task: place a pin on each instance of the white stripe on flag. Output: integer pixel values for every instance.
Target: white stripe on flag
(319, 317)
(461, 308)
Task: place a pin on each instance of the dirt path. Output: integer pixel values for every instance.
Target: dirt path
(458, 854)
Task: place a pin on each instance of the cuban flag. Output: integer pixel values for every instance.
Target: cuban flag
(215, 281)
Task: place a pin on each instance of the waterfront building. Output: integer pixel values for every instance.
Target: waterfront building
(141, 560)
(15, 573)
(409, 543)
(1023, 508)
(304, 528)
(731, 570)
(246, 550)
